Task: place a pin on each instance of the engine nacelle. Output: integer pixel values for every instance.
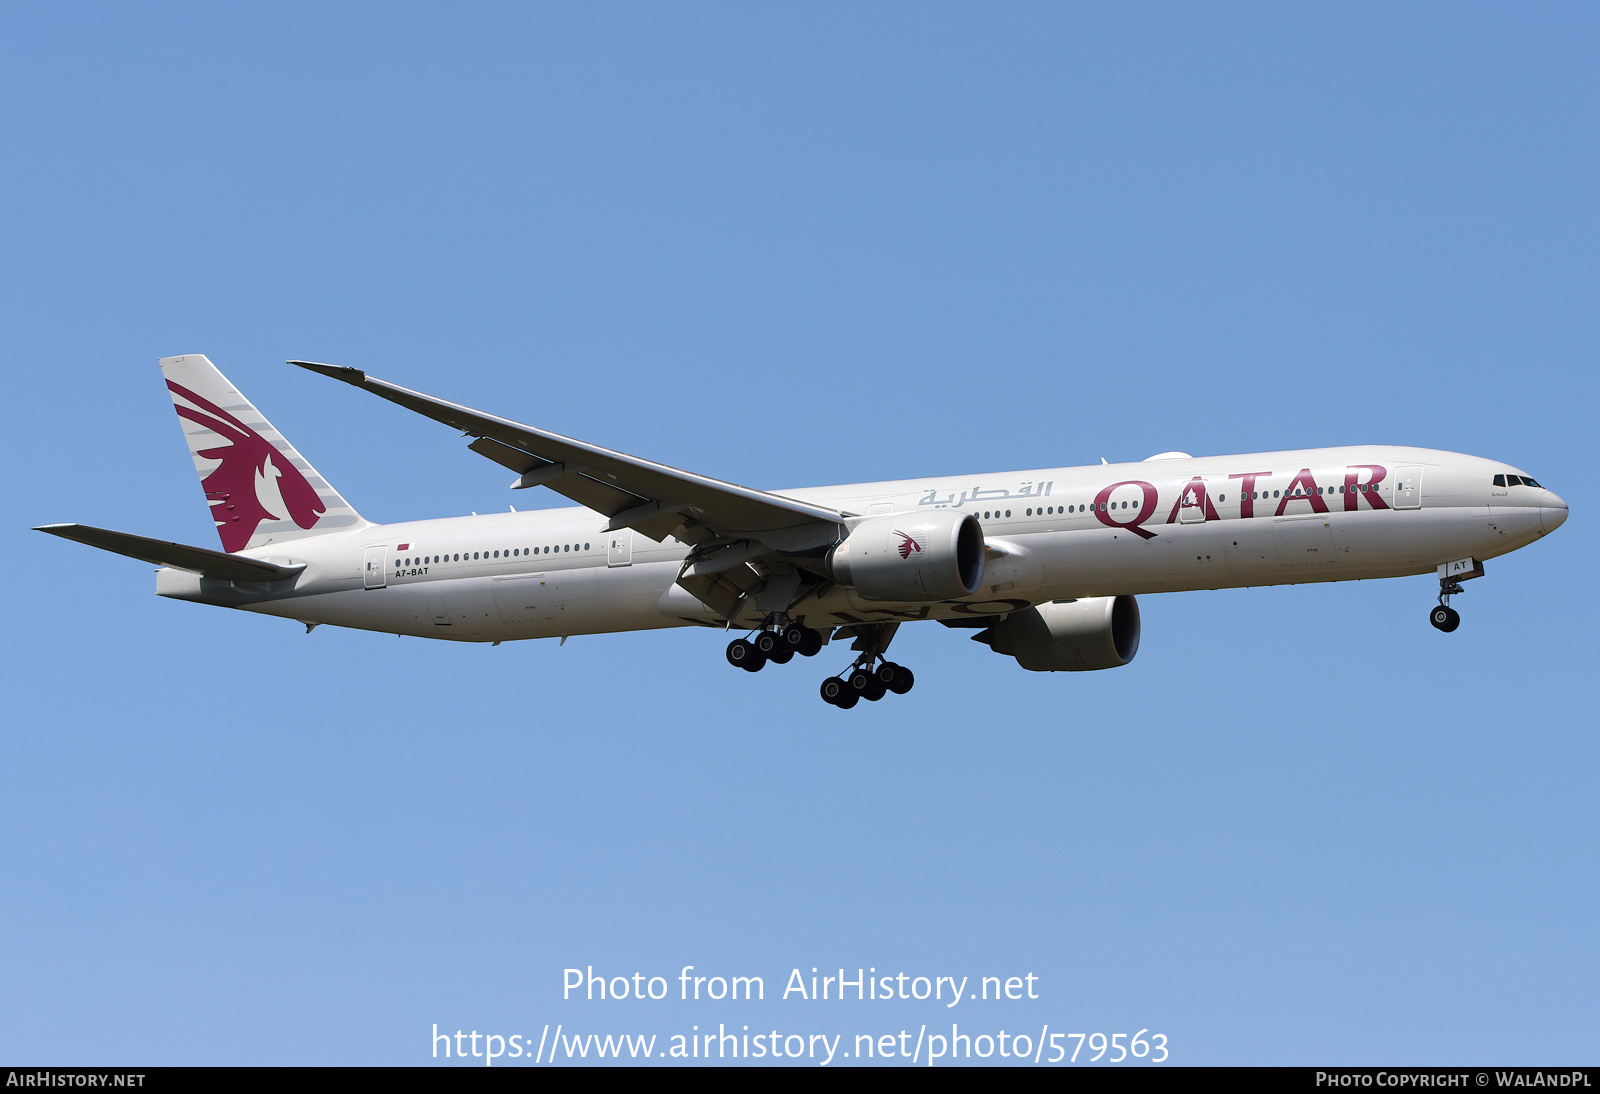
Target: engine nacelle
(1100, 632)
(911, 557)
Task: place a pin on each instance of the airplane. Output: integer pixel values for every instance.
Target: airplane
(1044, 565)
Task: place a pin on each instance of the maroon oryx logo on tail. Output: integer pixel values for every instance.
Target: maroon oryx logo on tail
(253, 479)
(908, 546)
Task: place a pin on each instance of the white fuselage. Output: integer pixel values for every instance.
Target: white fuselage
(1163, 525)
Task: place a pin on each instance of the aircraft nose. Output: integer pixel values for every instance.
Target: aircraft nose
(1552, 512)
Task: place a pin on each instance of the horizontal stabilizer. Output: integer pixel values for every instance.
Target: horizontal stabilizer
(200, 560)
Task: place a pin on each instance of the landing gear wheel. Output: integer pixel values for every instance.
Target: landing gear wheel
(782, 657)
(769, 643)
(744, 655)
(847, 701)
(811, 644)
(897, 678)
(874, 690)
(1445, 618)
(859, 681)
(794, 636)
(833, 690)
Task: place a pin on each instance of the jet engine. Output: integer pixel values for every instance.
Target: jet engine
(1100, 632)
(911, 557)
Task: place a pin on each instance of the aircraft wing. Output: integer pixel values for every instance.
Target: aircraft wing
(181, 556)
(650, 497)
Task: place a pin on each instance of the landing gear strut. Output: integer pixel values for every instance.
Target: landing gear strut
(1444, 617)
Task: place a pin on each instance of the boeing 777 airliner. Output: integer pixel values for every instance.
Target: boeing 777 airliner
(1043, 565)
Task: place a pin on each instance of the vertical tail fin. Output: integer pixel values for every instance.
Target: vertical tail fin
(259, 488)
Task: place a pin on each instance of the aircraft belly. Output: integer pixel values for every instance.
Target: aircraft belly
(1422, 539)
(392, 610)
(622, 598)
(1506, 528)
(1304, 541)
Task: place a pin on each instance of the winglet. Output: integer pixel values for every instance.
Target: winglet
(338, 372)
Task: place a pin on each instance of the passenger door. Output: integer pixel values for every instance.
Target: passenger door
(375, 574)
(619, 551)
(1408, 488)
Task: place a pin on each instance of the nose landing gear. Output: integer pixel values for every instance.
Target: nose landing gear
(1444, 617)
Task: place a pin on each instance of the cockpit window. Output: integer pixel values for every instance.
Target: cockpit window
(1529, 482)
(1499, 480)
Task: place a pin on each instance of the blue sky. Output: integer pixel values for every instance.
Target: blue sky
(788, 245)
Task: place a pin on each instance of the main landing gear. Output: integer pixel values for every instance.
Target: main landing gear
(871, 677)
(1444, 617)
(777, 644)
(863, 681)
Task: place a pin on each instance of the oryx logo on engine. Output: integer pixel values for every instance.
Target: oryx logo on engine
(908, 546)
